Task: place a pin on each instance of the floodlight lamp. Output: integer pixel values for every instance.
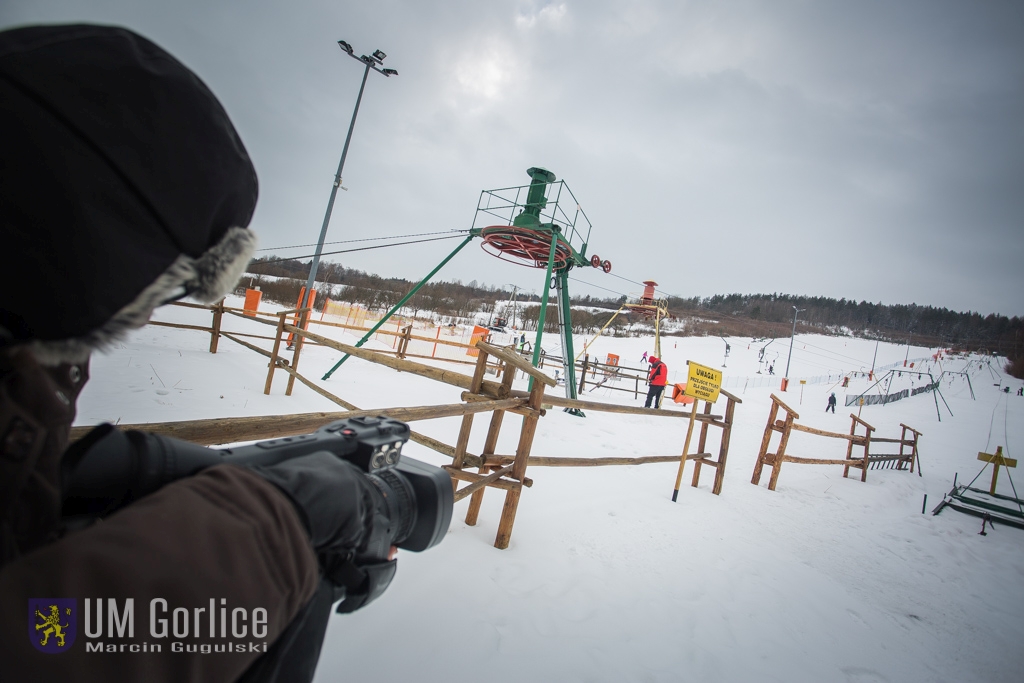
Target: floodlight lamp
(389, 72)
(379, 56)
(345, 46)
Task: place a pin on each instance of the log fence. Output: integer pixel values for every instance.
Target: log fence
(787, 424)
(480, 395)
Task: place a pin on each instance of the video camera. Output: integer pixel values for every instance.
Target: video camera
(109, 469)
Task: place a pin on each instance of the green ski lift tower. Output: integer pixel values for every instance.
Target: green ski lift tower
(543, 227)
(540, 225)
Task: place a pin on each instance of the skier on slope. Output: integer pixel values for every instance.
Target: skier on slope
(657, 377)
(125, 186)
(831, 403)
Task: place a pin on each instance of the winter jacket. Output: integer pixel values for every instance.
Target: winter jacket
(658, 374)
(125, 185)
(224, 534)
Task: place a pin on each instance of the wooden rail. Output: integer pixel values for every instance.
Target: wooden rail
(234, 429)
(786, 425)
(457, 379)
(562, 461)
(505, 472)
(562, 402)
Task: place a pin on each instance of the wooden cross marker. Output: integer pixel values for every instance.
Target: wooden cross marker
(996, 459)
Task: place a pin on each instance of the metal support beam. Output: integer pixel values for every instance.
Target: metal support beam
(401, 303)
(565, 332)
(542, 316)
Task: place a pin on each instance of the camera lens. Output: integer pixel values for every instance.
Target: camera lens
(400, 501)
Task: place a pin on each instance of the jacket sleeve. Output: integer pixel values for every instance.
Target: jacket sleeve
(225, 538)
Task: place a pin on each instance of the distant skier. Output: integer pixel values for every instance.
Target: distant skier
(1020, 392)
(657, 378)
(831, 403)
(771, 369)
(643, 358)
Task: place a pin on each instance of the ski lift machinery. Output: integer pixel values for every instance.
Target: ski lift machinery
(541, 226)
(644, 306)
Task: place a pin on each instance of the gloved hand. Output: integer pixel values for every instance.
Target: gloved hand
(346, 517)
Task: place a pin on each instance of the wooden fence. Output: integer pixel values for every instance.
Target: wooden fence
(506, 472)
(867, 460)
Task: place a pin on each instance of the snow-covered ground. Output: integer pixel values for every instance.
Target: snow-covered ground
(825, 579)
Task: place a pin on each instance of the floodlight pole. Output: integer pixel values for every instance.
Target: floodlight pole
(796, 312)
(370, 63)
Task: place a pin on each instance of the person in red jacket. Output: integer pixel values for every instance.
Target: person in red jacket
(656, 379)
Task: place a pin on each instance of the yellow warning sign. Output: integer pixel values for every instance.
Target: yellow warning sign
(703, 382)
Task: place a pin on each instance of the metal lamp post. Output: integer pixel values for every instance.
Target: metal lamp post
(375, 62)
(796, 311)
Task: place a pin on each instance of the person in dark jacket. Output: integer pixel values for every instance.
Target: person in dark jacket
(125, 185)
(831, 403)
(656, 379)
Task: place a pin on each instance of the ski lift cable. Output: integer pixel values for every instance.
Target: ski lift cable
(721, 315)
(988, 442)
(675, 296)
(1006, 446)
(377, 246)
(832, 352)
(812, 353)
(597, 286)
(365, 239)
(626, 295)
(716, 314)
(831, 357)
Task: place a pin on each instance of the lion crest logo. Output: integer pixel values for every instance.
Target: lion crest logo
(52, 624)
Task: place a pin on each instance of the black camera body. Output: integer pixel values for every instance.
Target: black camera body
(369, 443)
(416, 499)
(112, 469)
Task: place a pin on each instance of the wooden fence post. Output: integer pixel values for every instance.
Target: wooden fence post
(299, 339)
(701, 443)
(403, 346)
(274, 353)
(218, 314)
(762, 453)
(723, 449)
(490, 444)
(467, 420)
(787, 428)
(508, 512)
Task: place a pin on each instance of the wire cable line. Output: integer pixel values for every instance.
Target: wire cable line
(366, 239)
(377, 246)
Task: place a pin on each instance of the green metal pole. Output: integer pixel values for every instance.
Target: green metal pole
(544, 302)
(402, 303)
(567, 350)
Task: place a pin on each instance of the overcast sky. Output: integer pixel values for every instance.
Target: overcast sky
(867, 150)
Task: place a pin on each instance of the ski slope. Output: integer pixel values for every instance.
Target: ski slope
(824, 579)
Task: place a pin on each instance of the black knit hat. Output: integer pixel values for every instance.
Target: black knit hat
(122, 181)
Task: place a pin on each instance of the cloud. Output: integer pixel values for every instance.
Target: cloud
(867, 150)
(552, 17)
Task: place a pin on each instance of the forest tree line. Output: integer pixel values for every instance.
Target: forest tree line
(755, 315)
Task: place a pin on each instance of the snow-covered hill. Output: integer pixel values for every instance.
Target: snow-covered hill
(825, 579)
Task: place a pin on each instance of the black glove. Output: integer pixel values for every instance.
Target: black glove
(346, 517)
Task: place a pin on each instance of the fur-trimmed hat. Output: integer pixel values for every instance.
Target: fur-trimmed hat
(124, 184)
